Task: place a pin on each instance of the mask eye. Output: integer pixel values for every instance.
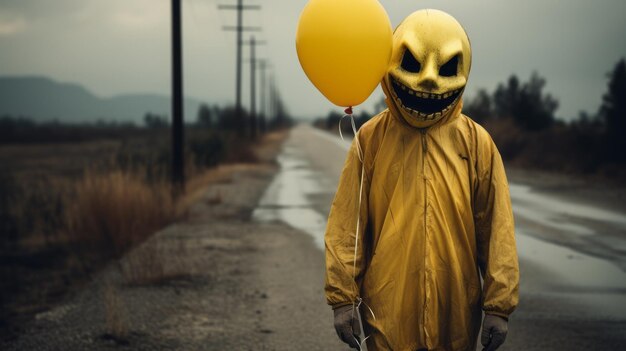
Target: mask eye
(409, 63)
(449, 69)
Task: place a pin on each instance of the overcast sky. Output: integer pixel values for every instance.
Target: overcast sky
(122, 46)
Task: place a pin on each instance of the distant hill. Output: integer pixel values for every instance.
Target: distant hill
(44, 99)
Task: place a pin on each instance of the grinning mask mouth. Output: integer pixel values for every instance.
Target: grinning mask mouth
(429, 67)
(424, 105)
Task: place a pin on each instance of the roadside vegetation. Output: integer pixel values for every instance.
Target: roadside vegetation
(75, 196)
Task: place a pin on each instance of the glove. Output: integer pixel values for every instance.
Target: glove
(347, 325)
(494, 332)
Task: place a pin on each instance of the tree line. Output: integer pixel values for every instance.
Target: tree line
(520, 116)
(25, 130)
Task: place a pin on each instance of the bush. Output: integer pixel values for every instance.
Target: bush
(117, 210)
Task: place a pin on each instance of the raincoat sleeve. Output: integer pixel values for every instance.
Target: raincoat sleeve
(493, 216)
(343, 268)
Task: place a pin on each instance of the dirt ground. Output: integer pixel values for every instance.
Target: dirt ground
(214, 281)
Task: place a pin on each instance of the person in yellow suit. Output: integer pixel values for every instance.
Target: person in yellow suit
(435, 212)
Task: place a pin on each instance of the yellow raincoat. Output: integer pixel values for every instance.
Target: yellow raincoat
(435, 214)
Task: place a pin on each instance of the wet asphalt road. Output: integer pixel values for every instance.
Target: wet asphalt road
(572, 254)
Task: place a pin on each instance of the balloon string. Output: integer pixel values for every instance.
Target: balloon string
(358, 217)
(355, 305)
(366, 305)
(354, 131)
(356, 313)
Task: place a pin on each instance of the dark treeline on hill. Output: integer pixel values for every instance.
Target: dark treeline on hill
(520, 117)
(26, 130)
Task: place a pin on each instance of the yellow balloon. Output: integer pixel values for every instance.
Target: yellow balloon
(344, 47)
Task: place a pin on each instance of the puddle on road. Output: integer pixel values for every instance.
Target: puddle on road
(287, 197)
(573, 269)
(583, 228)
(596, 283)
(552, 212)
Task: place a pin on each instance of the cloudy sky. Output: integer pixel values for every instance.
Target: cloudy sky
(122, 46)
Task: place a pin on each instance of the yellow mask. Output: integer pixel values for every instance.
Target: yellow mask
(429, 67)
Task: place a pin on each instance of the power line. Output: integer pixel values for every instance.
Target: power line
(239, 28)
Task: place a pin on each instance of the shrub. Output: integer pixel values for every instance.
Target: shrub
(117, 209)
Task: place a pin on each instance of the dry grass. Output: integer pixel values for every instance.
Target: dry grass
(116, 320)
(59, 223)
(36, 208)
(118, 209)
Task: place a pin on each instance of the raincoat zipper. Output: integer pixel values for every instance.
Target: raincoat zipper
(424, 179)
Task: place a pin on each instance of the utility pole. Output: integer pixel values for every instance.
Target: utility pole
(273, 100)
(254, 126)
(178, 173)
(239, 28)
(253, 122)
(263, 113)
(270, 113)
